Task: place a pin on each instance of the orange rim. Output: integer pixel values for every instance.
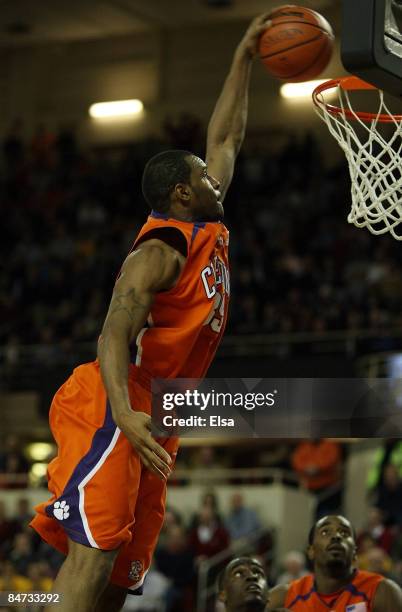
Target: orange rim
(350, 83)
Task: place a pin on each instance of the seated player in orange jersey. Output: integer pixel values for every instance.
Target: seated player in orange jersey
(166, 318)
(336, 584)
(243, 586)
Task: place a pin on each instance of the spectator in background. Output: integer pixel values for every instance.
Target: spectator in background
(389, 453)
(318, 464)
(382, 535)
(23, 514)
(389, 497)
(22, 554)
(42, 146)
(8, 529)
(294, 565)
(241, 521)
(209, 536)
(171, 519)
(37, 574)
(11, 580)
(13, 463)
(67, 148)
(13, 146)
(366, 543)
(208, 500)
(176, 561)
(202, 462)
(376, 560)
(323, 285)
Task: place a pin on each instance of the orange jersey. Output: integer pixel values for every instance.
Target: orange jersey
(102, 497)
(186, 323)
(95, 462)
(357, 596)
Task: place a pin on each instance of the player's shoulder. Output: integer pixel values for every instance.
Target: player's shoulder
(156, 252)
(169, 234)
(277, 596)
(365, 577)
(388, 596)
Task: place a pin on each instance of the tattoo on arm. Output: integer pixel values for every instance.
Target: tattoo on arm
(128, 302)
(153, 271)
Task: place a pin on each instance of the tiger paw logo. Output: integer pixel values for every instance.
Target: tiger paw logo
(136, 571)
(61, 510)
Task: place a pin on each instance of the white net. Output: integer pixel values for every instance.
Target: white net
(372, 144)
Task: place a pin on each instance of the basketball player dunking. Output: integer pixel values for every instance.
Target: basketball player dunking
(166, 318)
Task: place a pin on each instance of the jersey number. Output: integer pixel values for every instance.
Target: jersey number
(215, 317)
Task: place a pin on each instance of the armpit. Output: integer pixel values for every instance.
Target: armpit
(170, 236)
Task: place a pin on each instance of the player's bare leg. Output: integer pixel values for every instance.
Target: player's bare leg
(82, 578)
(112, 599)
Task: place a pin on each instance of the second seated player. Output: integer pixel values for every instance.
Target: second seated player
(336, 585)
(166, 318)
(243, 586)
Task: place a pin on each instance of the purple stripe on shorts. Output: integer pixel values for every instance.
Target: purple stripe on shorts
(69, 515)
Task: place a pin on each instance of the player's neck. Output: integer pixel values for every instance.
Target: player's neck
(180, 213)
(327, 582)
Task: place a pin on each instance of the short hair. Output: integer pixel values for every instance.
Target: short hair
(311, 533)
(161, 173)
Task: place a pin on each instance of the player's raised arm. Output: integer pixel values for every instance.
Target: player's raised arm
(152, 267)
(388, 597)
(228, 122)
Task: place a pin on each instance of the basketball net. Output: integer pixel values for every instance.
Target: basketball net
(373, 153)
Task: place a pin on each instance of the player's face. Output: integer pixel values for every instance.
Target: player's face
(205, 201)
(246, 587)
(333, 545)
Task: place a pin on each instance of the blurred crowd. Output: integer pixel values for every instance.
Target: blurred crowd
(186, 541)
(72, 215)
(26, 562)
(316, 465)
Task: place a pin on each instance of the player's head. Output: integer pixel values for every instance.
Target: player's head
(177, 183)
(243, 586)
(332, 545)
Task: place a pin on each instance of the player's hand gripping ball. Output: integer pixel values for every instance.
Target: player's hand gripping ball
(298, 44)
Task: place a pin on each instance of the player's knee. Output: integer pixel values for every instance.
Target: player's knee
(98, 564)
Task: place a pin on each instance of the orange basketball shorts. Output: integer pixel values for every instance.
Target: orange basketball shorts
(102, 496)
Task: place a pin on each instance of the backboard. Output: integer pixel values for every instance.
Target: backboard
(371, 45)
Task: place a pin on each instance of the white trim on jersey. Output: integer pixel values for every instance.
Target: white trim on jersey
(87, 478)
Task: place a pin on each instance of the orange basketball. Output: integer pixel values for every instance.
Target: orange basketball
(298, 45)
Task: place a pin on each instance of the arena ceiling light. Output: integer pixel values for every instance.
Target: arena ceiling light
(299, 90)
(116, 109)
(39, 451)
